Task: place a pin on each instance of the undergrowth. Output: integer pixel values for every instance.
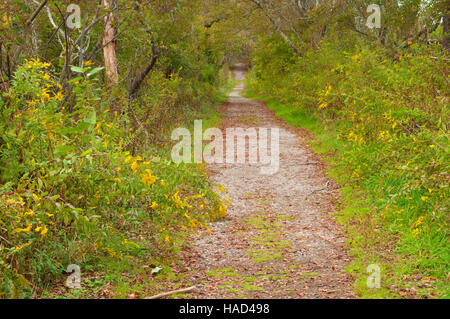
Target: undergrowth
(383, 124)
(76, 187)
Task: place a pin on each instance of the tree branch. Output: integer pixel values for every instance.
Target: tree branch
(277, 27)
(36, 12)
(138, 82)
(165, 294)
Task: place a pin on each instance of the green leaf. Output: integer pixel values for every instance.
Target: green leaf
(94, 71)
(79, 78)
(92, 120)
(86, 152)
(76, 69)
(63, 150)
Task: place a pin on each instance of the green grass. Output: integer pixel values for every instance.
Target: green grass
(222, 272)
(250, 287)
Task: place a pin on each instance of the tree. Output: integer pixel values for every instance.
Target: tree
(109, 42)
(278, 28)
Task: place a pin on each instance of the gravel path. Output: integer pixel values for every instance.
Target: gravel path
(278, 240)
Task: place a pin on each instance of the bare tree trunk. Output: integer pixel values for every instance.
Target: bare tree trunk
(109, 44)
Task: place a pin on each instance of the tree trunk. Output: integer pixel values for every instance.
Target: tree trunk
(109, 44)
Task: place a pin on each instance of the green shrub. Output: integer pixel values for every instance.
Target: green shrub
(71, 193)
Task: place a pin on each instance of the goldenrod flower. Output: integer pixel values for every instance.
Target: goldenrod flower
(128, 159)
(134, 166)
(148, 178)
(22, 246)
(29, 213)
(58, 96)
(44, 231)
(24, 230)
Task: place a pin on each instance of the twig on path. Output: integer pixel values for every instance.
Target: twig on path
(319, 190)
(310, 163)
(172, 292)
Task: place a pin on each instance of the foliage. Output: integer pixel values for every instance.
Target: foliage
(85, 171)
(72, 194)
(386, 120)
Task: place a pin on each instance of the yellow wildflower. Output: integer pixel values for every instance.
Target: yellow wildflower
(134, 166)
(20, 247)
(147, 178)
(25, 230)
(128, 159)
(44, 231)
(58, 96)
(323, 105)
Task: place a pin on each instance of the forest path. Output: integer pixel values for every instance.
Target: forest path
(278, 240)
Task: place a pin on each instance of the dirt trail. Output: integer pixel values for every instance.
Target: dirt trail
(278, 240)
